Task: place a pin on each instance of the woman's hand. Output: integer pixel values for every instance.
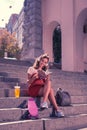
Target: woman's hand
(35, 76)
(41, 74)
(31, 78)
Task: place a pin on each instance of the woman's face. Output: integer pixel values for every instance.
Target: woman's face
(43, 62)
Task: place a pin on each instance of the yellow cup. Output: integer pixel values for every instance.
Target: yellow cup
(17, 91)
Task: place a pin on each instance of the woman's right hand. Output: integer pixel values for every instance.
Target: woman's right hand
(35, 76)
(31, 78)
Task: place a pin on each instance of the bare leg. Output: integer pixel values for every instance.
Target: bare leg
(47, 92)
(52, 99)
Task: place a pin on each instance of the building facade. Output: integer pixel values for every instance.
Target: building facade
(71, 15)
(45, 16)
(42, 17)
(18, 28)
(12, 20)
(15, 25)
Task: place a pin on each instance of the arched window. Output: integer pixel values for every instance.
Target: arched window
(57, 44)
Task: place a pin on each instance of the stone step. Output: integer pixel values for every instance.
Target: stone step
(3, 74)
(7, 67)
(79, 99)
(73, 90)
(9, 92)
(7, 85)
(15, 79)
(20, 74)
(55, 83)
(69, 81)
(10, 62)
(8, 79)
(70, 123)
(67, 123)
(15, 73)
(12, 102)
(68, 86)
(67, 75)
(22, 69)
(14, 109)
(15, 114)
(83, 128)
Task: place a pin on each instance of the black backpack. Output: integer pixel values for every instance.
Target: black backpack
(63, 98)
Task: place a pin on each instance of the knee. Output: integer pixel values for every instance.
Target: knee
(48, 83)
(51, 90)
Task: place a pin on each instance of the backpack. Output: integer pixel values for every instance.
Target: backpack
(63, 98)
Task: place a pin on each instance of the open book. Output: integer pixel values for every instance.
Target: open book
(48, 72)
(43, 74)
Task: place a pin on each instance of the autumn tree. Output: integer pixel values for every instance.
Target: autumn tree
(8, 43)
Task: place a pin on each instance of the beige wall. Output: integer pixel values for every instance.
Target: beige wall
(50, 18)
(70, 14)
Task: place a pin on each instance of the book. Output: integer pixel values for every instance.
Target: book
(48, 72)
(43, 74)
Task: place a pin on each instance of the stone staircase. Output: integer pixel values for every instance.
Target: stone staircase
(13, 110)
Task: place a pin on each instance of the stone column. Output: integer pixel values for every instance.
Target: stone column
(32, 30)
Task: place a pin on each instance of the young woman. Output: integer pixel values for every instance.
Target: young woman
(39, 83)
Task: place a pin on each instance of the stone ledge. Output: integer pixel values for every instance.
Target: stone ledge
(21, 112)
(68, 123)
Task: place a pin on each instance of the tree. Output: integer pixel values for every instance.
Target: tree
(8, 43)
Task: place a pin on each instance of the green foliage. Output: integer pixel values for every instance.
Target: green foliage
(8, 43)
(14, 51)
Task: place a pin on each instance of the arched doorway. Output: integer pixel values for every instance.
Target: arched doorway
(57, 45)
(80, 46)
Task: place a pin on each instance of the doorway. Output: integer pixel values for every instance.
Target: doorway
(57, 45)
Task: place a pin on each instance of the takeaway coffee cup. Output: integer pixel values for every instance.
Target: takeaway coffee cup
(17, 91)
